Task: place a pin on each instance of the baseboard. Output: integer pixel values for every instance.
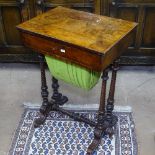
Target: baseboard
(80, 107)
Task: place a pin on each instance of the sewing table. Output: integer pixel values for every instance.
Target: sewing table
(91, 41)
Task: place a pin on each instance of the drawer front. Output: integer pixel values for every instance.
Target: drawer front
(63, 52)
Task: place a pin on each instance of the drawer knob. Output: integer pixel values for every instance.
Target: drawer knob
(62, 50)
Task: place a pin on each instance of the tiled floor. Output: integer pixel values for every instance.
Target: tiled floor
(20, 83)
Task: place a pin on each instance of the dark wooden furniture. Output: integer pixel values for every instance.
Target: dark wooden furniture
(88, 40)
(13, 12)
(142, 49)
(141, 52)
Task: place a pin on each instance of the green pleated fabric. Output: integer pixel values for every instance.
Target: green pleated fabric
(73, 74)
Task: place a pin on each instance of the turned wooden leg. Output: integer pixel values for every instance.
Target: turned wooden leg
(110, 101)
(57, 97)
(44, 93)
(99, 130)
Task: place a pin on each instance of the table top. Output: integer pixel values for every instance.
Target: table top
(89, 31)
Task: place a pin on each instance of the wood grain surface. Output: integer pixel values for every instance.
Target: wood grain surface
(90, 31)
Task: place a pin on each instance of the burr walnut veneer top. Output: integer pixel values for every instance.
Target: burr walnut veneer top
(94, 33)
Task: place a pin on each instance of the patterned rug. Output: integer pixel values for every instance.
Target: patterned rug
(60, 135)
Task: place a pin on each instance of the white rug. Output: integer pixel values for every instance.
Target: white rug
(60, 135)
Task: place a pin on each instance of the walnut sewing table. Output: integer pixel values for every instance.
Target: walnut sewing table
(88, 40)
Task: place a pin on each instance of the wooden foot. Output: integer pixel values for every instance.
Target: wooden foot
(106, 128)
(42, 116)
(39, 121)
(96, 141)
